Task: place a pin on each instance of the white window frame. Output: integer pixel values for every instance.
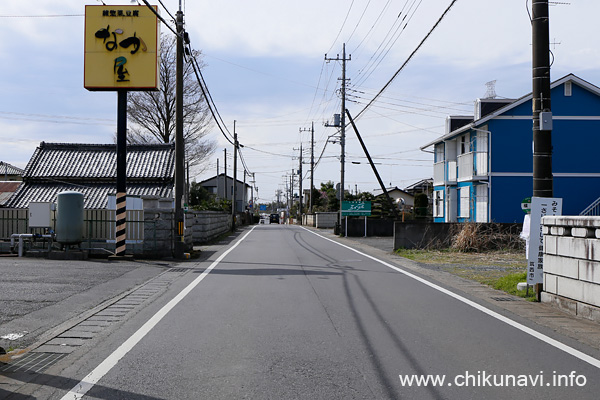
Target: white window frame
(465, 202)
(438, 203)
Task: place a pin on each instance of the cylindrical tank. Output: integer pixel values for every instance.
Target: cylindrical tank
(69, 218)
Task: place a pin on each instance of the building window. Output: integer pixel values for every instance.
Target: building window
(439, 152)
(463, 145)
(438, 203)
(464, 194)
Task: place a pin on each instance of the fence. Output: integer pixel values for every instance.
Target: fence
(99, 225)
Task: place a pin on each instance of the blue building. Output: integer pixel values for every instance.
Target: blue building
(483, 165)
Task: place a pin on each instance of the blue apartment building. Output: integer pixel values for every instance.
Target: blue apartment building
(483, 165)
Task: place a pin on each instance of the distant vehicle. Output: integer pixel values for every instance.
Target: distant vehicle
(274, 218)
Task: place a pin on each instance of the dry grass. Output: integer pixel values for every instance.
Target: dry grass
(486, 267)
(473, 237)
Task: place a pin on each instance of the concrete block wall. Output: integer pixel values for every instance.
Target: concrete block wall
(203, 226)
(326, 219)
(309, 220)
(158, 232)
(572, 264)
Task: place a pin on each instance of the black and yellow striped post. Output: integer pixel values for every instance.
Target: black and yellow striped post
(121, 224)
(121, 232)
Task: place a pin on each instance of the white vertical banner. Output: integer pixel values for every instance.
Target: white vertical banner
(540, 207)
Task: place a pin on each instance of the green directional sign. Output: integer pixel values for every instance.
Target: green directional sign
(353, 208)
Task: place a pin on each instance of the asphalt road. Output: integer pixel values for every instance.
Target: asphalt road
(289, 314)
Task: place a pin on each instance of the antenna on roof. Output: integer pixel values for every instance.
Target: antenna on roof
(491, 90)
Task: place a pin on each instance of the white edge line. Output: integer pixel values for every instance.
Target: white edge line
(553, 342)
(105, 366)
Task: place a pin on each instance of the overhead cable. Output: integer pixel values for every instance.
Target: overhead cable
(407, 60)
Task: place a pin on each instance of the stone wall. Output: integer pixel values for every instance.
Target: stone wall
(572, 264)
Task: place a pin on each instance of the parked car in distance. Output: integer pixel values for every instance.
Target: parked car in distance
(274, 218)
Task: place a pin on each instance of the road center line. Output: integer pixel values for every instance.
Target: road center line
(552, 342)
(105, 366)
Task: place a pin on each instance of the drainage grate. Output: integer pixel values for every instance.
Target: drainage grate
(177, 270)
(32, 362)
(503, 298)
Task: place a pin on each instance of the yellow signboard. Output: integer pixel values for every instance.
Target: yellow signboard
(121, 48)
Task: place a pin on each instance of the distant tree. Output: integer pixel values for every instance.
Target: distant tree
(152, 113)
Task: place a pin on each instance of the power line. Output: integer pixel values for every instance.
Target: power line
(407, 60)
(342, 27)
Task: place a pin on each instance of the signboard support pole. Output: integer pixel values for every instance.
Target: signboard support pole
(121, 232)
(365, 226)
(346, 230)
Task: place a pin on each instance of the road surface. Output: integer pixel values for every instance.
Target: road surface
(285, 313)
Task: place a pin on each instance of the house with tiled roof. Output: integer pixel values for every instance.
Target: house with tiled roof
(10, 180)
(91, 169)
(10, 172)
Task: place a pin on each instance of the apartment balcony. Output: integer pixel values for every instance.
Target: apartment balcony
(444, 173)
(473, 166)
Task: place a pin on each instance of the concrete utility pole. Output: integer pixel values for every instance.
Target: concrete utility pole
(300, 186)
(542, 114)
(343, 125)
(234, 190)
(179, 246)
(225, 177)
(312, 163)
(252, 191)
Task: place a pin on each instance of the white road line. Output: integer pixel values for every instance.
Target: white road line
(552, 342)
(105, 366)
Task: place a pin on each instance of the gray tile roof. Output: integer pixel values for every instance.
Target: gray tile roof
(91, 170)
(94, 195)
(7, 169)
(99, 161)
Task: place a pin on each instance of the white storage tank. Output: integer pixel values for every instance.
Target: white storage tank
(69, 218)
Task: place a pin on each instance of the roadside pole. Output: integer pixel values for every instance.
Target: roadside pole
(542, 114)
(121, 214)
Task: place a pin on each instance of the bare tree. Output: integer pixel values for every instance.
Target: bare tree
(153, 113)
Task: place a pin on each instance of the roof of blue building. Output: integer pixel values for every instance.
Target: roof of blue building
(511, 105)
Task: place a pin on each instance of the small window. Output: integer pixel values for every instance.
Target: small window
(438, 203)
(465, 197)
(439, 152)
(568, 89)
(462, 145)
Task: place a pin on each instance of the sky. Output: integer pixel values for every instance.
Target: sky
(266, 70)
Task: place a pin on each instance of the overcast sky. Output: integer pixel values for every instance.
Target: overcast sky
(266, 69)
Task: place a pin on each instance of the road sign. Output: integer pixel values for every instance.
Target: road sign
(540, 207)
(353, 208)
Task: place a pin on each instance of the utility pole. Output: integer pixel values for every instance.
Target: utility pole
(179, 148)
(343, 125)
(217, 177)
(252, 191)
(312, 163)
(234, 190)
(542, 114)
(225, 177)
(244, 194)
(300, 186)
